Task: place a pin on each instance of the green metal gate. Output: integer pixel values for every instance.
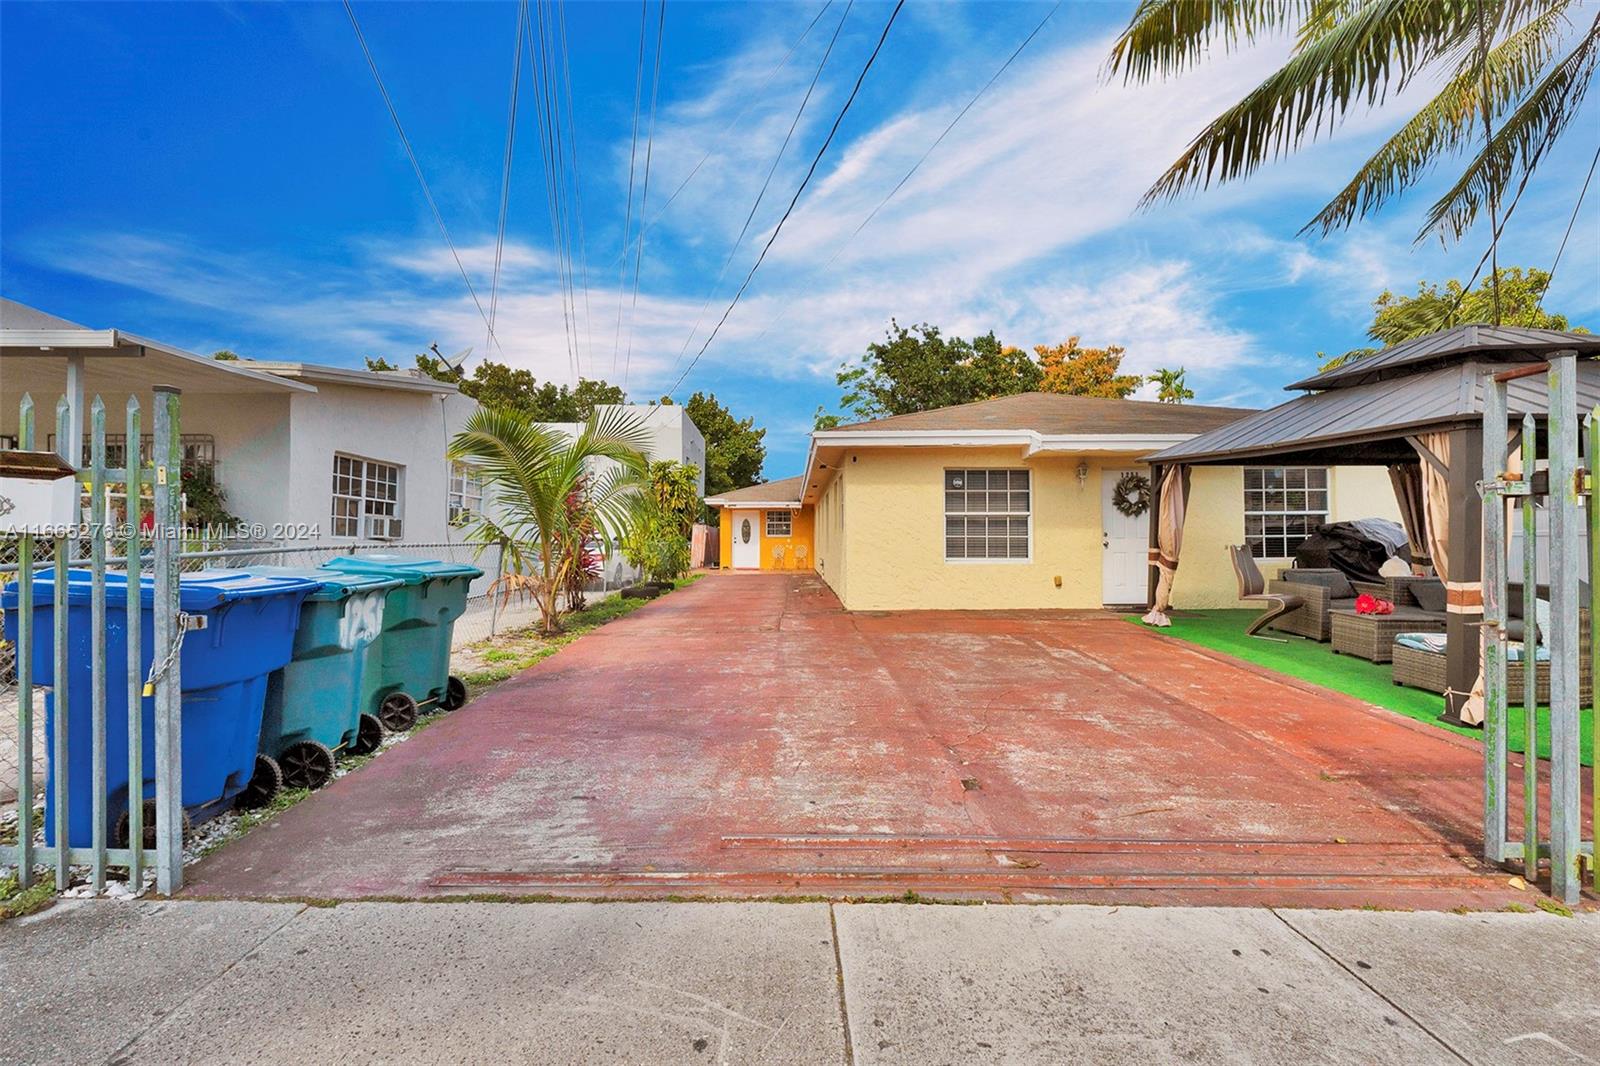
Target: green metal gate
(156, 547)
(1563, 487)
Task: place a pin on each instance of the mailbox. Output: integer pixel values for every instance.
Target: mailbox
(38, 492)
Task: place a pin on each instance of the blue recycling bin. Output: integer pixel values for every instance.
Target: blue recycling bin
(316, 702)
(250, 624)
(418, 621)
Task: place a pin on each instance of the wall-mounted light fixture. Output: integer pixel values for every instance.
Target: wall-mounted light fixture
(1083, 471)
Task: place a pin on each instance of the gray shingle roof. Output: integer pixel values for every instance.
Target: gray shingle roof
(1504, 344)
(784, 490)
(1051, 413)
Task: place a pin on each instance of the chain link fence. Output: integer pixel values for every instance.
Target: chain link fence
(486, 615)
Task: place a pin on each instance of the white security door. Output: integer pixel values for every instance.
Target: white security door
(746, 539)
(1124, 575)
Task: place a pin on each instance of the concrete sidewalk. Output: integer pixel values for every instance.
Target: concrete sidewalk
(210, 982)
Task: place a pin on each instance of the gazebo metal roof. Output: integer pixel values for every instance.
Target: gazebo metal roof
(1501, 344)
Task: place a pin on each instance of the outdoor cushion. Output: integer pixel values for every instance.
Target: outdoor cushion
(1430, 595)
(1436, 643)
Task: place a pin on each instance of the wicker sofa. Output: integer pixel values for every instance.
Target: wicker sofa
(1322, 591)
(1416, 668)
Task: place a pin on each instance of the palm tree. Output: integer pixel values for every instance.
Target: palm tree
(1509, 91)
(553, 496)
(1171, 387)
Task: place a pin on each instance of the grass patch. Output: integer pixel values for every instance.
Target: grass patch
(1372, 683)
(17, 902)
(1550, 906)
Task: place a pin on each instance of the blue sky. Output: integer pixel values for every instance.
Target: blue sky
(226, 176)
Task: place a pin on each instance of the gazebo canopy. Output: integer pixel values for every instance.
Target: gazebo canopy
(1367, 408)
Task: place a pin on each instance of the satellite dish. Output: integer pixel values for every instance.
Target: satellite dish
(452, 361)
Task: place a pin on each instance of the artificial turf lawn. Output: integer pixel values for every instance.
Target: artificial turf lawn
(1373, 683)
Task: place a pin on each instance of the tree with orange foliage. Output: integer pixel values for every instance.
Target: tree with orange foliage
(1077, 371)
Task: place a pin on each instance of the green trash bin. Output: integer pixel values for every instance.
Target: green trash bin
(414, 649)
(318, 704)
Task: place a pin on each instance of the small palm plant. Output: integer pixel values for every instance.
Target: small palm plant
(537, 473)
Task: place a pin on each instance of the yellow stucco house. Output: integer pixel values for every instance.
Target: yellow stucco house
(1013, 503)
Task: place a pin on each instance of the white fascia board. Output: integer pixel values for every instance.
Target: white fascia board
(753, 505)
(226, 366)
(923, 438)
(1082, 443)
(59, 338)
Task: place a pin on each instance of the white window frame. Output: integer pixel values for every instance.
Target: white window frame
(1264, 501)
(375, 516)
(946, 514)
(464, 496)
(788, 522)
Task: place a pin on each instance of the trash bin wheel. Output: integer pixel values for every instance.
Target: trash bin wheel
(264, 784)
(397, 712)
(455, 693)
(369, 734)
(308, 764)
(119, 832)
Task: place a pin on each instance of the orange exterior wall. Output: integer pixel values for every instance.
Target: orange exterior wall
(801, 534)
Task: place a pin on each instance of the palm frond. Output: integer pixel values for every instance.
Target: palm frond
(1448, 122)
(1520, 142)
(1166, 36)
(1380, 47)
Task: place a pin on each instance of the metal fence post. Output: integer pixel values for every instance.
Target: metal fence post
(134, 473)
(1530, 665)
(24, 652)
(169, 745)
(97, 636)
(1565, 794)
(59, 756)
(1592, 481)
(1492, 637)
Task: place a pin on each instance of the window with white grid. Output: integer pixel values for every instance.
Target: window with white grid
(366, 499)
(1283, 505)
(779, 523)
(465, 497)
(987, 514)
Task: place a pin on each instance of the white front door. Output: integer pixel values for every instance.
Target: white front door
(746, 539)
(1124, 575)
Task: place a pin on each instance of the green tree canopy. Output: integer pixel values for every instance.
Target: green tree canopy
(1078, 371)
(734, 449)
(225, 355)
(919, 369)
(507, 388)
(1397, 318)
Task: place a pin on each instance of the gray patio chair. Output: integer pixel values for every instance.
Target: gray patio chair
(1253, 589)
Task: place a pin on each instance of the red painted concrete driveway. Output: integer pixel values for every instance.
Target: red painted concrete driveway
(745, 736)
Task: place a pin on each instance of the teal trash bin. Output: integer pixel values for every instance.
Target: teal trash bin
(315, 703)
(418, 619)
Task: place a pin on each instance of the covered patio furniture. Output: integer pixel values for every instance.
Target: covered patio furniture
(1322, 590)
(1371, 636)
(1416, 410)
(1419, 658)
(1252, 589)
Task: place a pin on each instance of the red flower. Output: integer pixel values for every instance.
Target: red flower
(1369, 604)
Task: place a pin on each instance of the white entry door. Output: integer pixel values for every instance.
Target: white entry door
(1124, 575)
(746, 539)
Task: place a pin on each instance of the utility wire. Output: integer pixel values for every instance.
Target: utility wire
(761, 194)
(1575, 207)
(555, 169)
(754, 99)
(577, 184)
(505, 170)
(644, 200)
(924, 158)
(815, 162)
(627, 216)
(417, 168)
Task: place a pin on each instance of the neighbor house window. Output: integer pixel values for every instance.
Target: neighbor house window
(1283, 505)
(986, 514)
(465, 497)
(778, 523)
(366, 498)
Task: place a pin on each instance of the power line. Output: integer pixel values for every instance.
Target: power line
(627, 217)
(815, 162)
(1581, 194)
(761, 194)
(754, 99)
(556, 183)
(924, 157)
(505, 170)
(644, 200)
(417, 168)
(577, 184)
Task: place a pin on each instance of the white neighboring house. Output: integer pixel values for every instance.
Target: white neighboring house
(304, 453)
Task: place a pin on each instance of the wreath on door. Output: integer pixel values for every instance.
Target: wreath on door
(1132, 494)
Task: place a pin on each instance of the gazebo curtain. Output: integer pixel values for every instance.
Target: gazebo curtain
(1408, 493)
(1172, 502)
(1434, 471)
